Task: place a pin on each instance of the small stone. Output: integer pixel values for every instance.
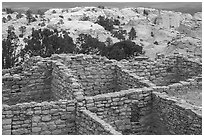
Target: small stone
(37, 112)
(70, 109)
(45, 133)
(6, 121)
(53, 111)
(45, 112)
(6, 127)
(36, 118)
(56, 132)
(6, 132)
(46, 118)
(36, 129)
(52, 127)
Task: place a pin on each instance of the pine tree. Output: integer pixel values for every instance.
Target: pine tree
(132, 34)
(9, 17)
(9, 46)
(108, 42)
(29, 15)
(19, 15)
(89, 45)
(22, 29)
(45, 42)
(106, 23)
(4, 20)
(120, 34)
(40, 13)
(145, 13)
(123, 50)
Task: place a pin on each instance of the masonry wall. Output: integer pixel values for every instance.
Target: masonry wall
(179, 118)
(125, 80)
(62, 81)
(99, 97)
(89, 124)
(164, 71)
(28, 84)
(181, 67)
(39, 118)
(94, 73)
(119, 108)
(181, 87)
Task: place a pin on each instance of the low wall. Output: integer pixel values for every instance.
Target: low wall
(89, 124)
(31, 84)
(63, 84)
(94, 73)
(177, 116)
(126, 80)
(39, 118)
(172, 68)
(123, 109)
(184, 88)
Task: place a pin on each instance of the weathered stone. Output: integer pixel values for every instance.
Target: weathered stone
(6, 132)
(36, 129)
(6, 127)
(46, 118)
(36, 118)
(56, 132)
(6, 121)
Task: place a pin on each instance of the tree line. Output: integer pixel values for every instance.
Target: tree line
(46, 42)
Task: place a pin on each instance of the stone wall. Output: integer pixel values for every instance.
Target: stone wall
(125, 80)
(181, 66)
(99, 96)
(39, 118)
(178, 117)
(94, 73)
(163, 71)
(63, 82)
(90, 124)
(180, 88)
(118, 108)
(28, 84)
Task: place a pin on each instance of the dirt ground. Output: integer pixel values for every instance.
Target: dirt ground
(193, 97)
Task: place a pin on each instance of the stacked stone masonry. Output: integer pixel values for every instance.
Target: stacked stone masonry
(39, 118)
(89, 94)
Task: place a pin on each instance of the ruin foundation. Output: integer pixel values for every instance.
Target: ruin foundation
(88, 94)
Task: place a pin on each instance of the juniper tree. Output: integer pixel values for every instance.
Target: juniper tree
(29, 16)
(9, 48)
(22, 29)
(132, 34)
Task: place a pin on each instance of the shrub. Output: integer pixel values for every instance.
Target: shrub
(53, 12)
(105, 22)
(9, 17)
(101, 7)
(123, 50)
(4, 20)
(22, 29)
(132, 34)
(9, 46)
(19, 15)
(89, 45)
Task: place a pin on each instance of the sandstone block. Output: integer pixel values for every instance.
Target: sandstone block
(6, 127)
(6, 121)
(36, 129)
(36, 118)
(45, 111)
(46, 118)
(56, 132)
(45, 133)
(6, 132)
